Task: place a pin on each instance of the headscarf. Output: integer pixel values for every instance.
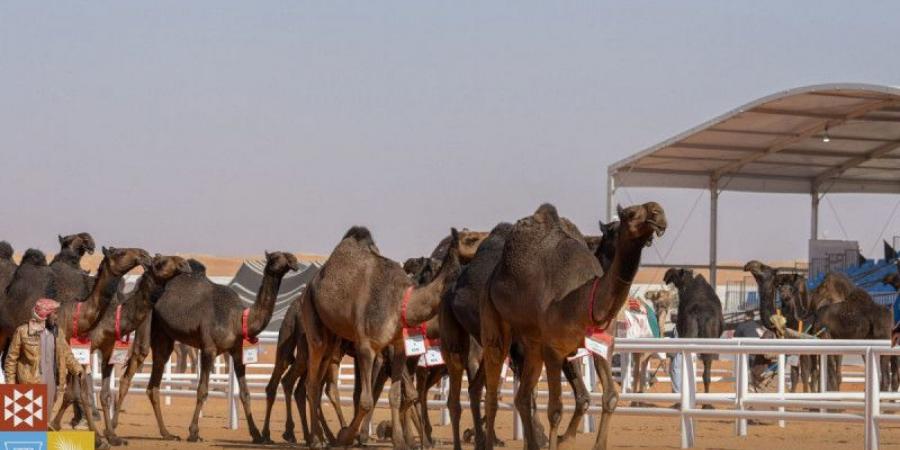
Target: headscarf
(42, 309)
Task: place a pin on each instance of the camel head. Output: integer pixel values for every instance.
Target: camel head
(638, 223)
(606, 248)
(80, 243)
(118, 261)
(421, 270)
(663, 301)
(34, 257)
(893, 280)
(678, 277)
(279, 263)
(759, 270)
(469, 242)
(6, 251)
(164, 268)
(789, 287)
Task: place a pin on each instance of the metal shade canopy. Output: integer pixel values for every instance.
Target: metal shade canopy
(830, 138)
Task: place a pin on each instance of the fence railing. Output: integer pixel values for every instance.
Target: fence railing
(867, 407)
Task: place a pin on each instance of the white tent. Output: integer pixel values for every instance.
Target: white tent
(833, 138)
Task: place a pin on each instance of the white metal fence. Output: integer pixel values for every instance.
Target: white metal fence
(868, 407)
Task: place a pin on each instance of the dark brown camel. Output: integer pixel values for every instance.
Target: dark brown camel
(855, 316)
(365, 298)
(70, 280)
(547, 289)
(7, 267)
(213, 319)
(119, 320)
(699, 312)
(468, 242)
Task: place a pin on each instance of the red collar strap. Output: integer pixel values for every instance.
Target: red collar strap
(247, 338)
(406, 296)
(118, 326)
(591, 300)
(75, 319)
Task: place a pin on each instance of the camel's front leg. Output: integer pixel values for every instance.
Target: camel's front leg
(282, 359)
(365, 356)
(135, 362)
(496, 337)
(610, 399)
(207, 360)
(396, 397)
(334, 395)
(240, 371)
(106, 397)
(67, 400)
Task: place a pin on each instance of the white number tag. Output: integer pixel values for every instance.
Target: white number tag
(414, 342)
(598, 342)
(81, 350)
(119, 354)
(433, 356)
(251, 353)
(793, 360)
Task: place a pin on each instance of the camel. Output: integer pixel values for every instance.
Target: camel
(855, 316)
(7, 266)
(547, 289)
(70, 280)
(467, 244)
(699, 312)
(365, 298)
(211, 318)
(119, 321)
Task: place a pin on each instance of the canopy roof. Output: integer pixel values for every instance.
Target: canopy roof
(823, 138)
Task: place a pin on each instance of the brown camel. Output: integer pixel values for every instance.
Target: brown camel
(365, 298)
(468, 242)
(119, 320)
(211, 318)
(547, 289)
(70, 280)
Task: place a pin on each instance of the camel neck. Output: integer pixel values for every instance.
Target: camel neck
(93, 307)
(766, 299)
(615, 285)
(138, 305)
(261, 311)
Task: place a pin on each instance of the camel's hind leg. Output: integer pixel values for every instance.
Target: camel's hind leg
(365, 356)
(496, 338)
(162, 350)
(139, 353)
(333, 393)
(106, 397)
(283, 358)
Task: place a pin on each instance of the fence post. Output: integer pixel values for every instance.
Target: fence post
(781, 362)
(517, 420)
(168, 378)
(742, 390)
(445, 392)
(872, 399)
(688, 385)
(232, 401)
(625, 371)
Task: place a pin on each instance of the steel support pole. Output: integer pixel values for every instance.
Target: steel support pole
(713, 229)
(814, 215)
(610, 197)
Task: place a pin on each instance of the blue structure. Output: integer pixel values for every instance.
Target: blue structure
(869, 276)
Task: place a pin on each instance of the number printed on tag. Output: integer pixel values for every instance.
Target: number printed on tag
(413, 342)
(251, 354)
(433, 357)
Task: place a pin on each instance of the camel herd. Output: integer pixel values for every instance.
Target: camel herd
(529, 293)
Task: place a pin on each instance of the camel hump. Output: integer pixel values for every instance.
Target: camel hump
(547, 213)
(6, 250)
(34, 257)
(197, 267)
(359, 234)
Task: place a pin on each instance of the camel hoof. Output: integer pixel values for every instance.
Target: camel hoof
(170, 437)
(289, 437)
(262, 440)
(115, 441)
(194, 438)
(317, 444)
(468, 435)
(362, 439)
(100, 445)
(343, 438)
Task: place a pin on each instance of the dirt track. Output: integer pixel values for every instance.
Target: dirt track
(139, 427)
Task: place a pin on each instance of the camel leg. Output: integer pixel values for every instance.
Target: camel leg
(292, 390)
(496, 337)
(282, 359)
(134, 364)
(432, 376)
(554, 364)
(582, 398)
(455, 370)
(531, 373)
(396, 394)
(895, 373)
(207, 360)
(240, 371)
(162, 350)
(885, 369)
(382, 369)
(105, 398)
(610, 399)
(333, 393)
(365, 356)
(68, 400)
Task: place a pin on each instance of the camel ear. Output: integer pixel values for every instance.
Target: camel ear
(620, 211)
(670, 276)
(266, 252)
(59, 236)
(106, 251)
(454, 235)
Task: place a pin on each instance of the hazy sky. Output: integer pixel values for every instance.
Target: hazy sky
(233, 127)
